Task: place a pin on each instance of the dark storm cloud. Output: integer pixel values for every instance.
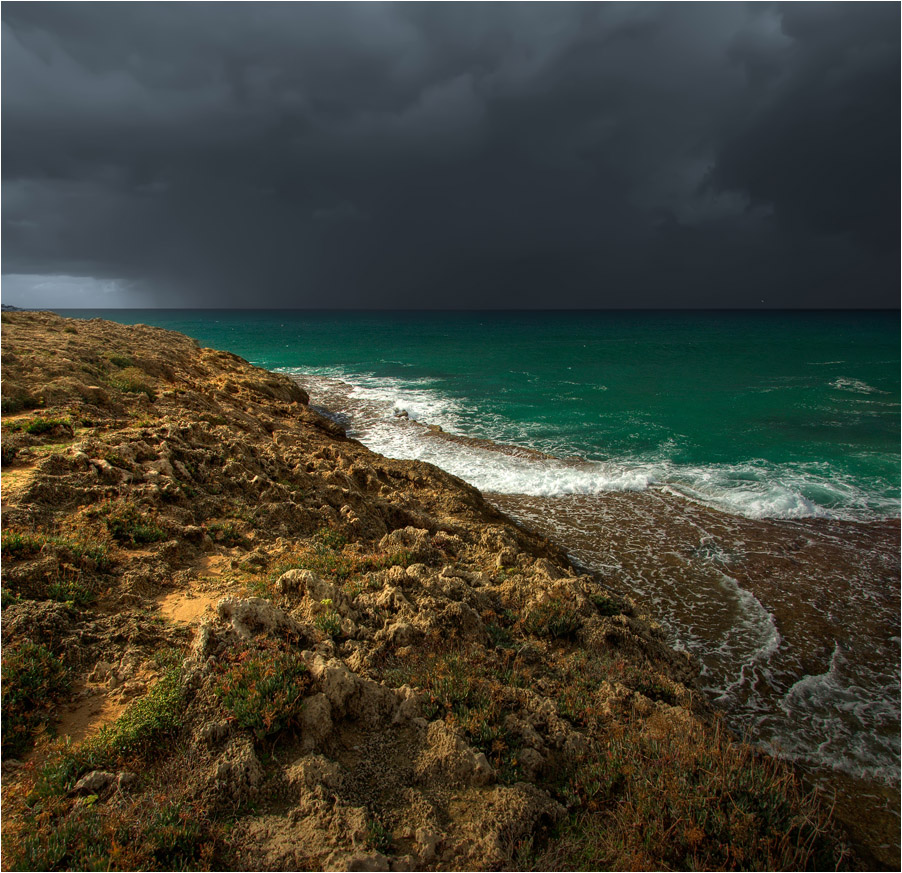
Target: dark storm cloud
(454, 154)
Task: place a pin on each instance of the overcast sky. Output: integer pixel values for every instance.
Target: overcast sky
(451, 155)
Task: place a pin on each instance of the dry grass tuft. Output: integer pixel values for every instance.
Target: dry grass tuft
(692, 799)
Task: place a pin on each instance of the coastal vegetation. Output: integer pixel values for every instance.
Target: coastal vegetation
(33, 679)
(233, 636)
(263, 687)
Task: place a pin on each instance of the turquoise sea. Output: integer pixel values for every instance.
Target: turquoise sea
(737, 473)
(762, 414)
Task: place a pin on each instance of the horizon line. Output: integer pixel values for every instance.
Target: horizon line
(455, 309)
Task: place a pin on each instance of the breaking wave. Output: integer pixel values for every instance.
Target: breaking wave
(390, 416)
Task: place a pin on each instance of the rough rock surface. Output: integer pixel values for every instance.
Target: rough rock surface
(450, 668)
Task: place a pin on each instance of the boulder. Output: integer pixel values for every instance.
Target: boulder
(238, 772)
(94, 782)
(445, 755)
(256, 615)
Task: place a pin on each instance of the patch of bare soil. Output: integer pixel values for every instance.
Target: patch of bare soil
(186, 607)
(213, 565)
(15, 479)
(86, 717)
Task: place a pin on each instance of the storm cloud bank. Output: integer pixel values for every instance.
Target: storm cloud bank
(451, 155)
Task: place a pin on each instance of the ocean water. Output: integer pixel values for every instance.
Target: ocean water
(738, 473)
(763, 414)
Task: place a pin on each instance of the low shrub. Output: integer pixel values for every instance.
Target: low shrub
(354, 588)
(16, 544)
(87, 555)
(40, 424)
(139, 733)
(70, 591)
(173, 836)
(378, 837)
(33, 680)
(78, 842)
(147, 720)
(500, 627)
(18, 403)
(43, 425)
(226, 533)
(8, 453)
(131, 380)
(384, 560)
(128, 525)
(320, 559)
(164, 835)
(8, 597)
(553, 619)
(606, 605)
(332, 539)
(689, 800)
(328, 621)
(263, 687)
(500, 636)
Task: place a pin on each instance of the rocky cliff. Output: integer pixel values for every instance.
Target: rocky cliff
(270, 648)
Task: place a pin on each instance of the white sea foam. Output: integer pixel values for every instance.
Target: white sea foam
(390, 397)
(757, 489)
(716, 486)
(836, 721)
(496, 471)
(855, 385)
(377, 407)
(754, 635)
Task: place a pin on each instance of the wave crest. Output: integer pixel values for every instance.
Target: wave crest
(389, 417)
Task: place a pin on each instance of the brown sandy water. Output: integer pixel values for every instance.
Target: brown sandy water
(794, 625)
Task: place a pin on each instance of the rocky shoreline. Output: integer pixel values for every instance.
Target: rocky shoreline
(275, 649)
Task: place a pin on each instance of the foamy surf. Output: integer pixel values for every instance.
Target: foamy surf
(843, 383)
(859, 742)
(385, 414)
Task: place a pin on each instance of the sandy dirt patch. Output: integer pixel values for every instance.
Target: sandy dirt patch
(83, 719)
(213, 565)
(186, 607)
(14, 479)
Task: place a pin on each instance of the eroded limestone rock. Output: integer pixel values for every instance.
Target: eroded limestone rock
(447, 756)
(255, 615)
